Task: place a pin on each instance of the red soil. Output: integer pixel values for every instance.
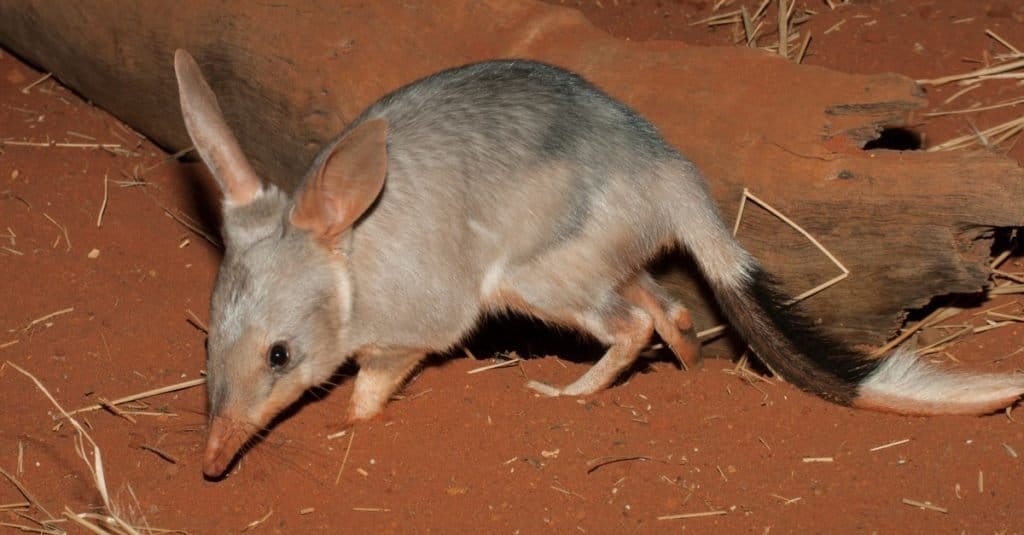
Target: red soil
(460, 453)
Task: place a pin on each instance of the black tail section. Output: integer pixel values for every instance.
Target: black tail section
(790, 344)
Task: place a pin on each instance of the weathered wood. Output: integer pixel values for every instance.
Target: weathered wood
(909, 226)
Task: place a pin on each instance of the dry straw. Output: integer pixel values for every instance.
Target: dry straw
(693, 515)
(890, 445)
(27, 89)
(344, 459)
(258, 521)
(749, 26)
(141, 395)
(103, 205)
(1010, 67)
(844, 272)
(63, 229)
(62, 145)
(112, 521)
(925, 505)
(502, 364)
(188, 223)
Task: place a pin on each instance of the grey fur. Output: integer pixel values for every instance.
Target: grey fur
(274, 282)
(512, 167)
(470, 148)
(510, 185)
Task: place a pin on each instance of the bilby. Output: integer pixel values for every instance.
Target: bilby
(506, 185)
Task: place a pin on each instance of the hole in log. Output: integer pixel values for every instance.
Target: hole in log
(895, 139)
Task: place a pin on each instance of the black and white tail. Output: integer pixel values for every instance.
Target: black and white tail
(793, 348)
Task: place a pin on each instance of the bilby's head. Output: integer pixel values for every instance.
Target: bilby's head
(283, 292)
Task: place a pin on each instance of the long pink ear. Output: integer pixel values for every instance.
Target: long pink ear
(211, 135)
(347, 182)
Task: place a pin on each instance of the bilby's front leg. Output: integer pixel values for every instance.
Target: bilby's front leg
(381, 372)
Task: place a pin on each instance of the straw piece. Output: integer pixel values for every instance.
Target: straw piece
(711, 332)
(344, 460)
(960, 93)
(948, 338)
(995, 69)
(803, 48)
(258, 521)
(502, 364)
(63, 229)
(194, 320)
(890, 445)
(29, 87)
(51, 315)
(89, 526)
(991, 326)
(925, 505)
(760, 9)
(60, 144)
(845, 272)
(717, 19)
(159, 453)
(1006, 290)
(719, 329)
(1003, 42)
(194, 227)
(787, 501)
(103, 205)
(1004, 130)
(142, 395)
(748, 25)
(1011, 276)
(95, 466)
(693, 515)
(783, 29)
(24, 492)
(567, 492)
(1004, 104)
(835, 27)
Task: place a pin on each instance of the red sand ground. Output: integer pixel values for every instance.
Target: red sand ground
(460, 453)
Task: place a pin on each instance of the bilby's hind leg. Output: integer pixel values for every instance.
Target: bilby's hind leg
(577, 285)
(626, 329)
(672, 320)
(381, 372)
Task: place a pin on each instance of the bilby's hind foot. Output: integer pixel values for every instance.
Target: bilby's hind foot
(683, 340)
(628, 332)
(672, 320)
(544, 389)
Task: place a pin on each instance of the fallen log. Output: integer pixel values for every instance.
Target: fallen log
(908, 226)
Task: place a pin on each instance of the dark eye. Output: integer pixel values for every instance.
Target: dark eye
(278, 356)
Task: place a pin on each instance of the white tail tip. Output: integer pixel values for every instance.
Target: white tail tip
(905, 384)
